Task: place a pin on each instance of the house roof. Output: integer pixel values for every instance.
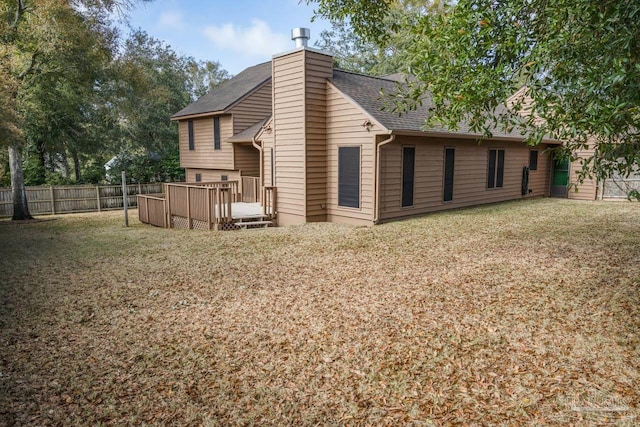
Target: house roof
(370, 93)
(247, 135)
(229, 92)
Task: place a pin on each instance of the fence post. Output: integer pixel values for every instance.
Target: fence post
(53, 201)
(124, 198)
(98, 197)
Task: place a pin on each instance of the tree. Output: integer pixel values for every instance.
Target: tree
(34, 36)
(576, 62)
(153, 83)
(384, 55)
(204, 76)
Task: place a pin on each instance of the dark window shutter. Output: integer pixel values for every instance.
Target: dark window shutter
(216, 133)
(191, 141)
(533, 160)
(500, 172)
(449, 160)
(408, 168)
(349, 177)
(491, 171)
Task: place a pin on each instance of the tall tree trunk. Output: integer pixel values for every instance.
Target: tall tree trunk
(76, 165)
(19, 192)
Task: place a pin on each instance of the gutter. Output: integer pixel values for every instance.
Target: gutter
(376, 190)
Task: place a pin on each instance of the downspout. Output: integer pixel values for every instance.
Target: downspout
(376, 187)
(259, 148)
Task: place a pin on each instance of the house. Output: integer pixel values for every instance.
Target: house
(323, 139)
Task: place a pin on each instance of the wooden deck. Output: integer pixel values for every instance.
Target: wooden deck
(207, 206)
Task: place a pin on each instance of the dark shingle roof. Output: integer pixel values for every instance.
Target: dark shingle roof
(368, 92)
(247, 135)
(227, 93)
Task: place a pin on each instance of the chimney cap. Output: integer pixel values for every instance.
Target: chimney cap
(301, 36)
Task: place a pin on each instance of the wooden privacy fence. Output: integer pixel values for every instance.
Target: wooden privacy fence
(56, 199)
(619, 188)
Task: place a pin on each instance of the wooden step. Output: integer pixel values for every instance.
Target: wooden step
(246, 224)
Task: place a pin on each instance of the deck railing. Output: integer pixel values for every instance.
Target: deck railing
(251, 189)
(152, 209)
(198, 206)
(269, 208)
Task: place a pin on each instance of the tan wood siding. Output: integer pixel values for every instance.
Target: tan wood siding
(211, 175)
(267, 145)
(346, 130)
(253, 108)
(288, 129)
(470, 175)
(205, 156)
(247, 159)
(587, 190)
(318, 68)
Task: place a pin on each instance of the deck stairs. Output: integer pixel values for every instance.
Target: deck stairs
(253, 221)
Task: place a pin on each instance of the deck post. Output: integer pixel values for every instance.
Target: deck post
(146, 204)
(189, 223)
(167, 192)
(208, 208)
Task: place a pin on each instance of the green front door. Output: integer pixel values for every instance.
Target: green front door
(560, 178)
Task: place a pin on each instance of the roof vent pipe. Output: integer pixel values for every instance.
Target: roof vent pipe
(301, 36)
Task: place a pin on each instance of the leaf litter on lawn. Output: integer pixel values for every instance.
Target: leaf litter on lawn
(518, 313)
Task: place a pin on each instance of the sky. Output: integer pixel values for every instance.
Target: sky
(236, 33)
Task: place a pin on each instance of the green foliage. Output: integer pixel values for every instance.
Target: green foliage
(73, 96)
(577, 62)
(386, 55)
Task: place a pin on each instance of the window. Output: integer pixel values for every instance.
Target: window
(224, 177)
(408, 168)
(533, 160)
(349, 177)
(495, 173)
(198, 177)
(191, 142)
(216, 133)
(449, 163)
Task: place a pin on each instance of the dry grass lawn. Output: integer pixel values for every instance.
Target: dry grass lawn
(518, 313)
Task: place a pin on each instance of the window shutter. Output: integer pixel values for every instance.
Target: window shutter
(449, 164)
(191, 139)
(216, 133)
(349, 177)
(408, 169)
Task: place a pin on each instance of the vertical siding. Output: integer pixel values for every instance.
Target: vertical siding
(204, 155)
(247, 159)
(211, 175)
(470, 175)
(288, 125)
(318, 68)
(253, 108)
(344, 128)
